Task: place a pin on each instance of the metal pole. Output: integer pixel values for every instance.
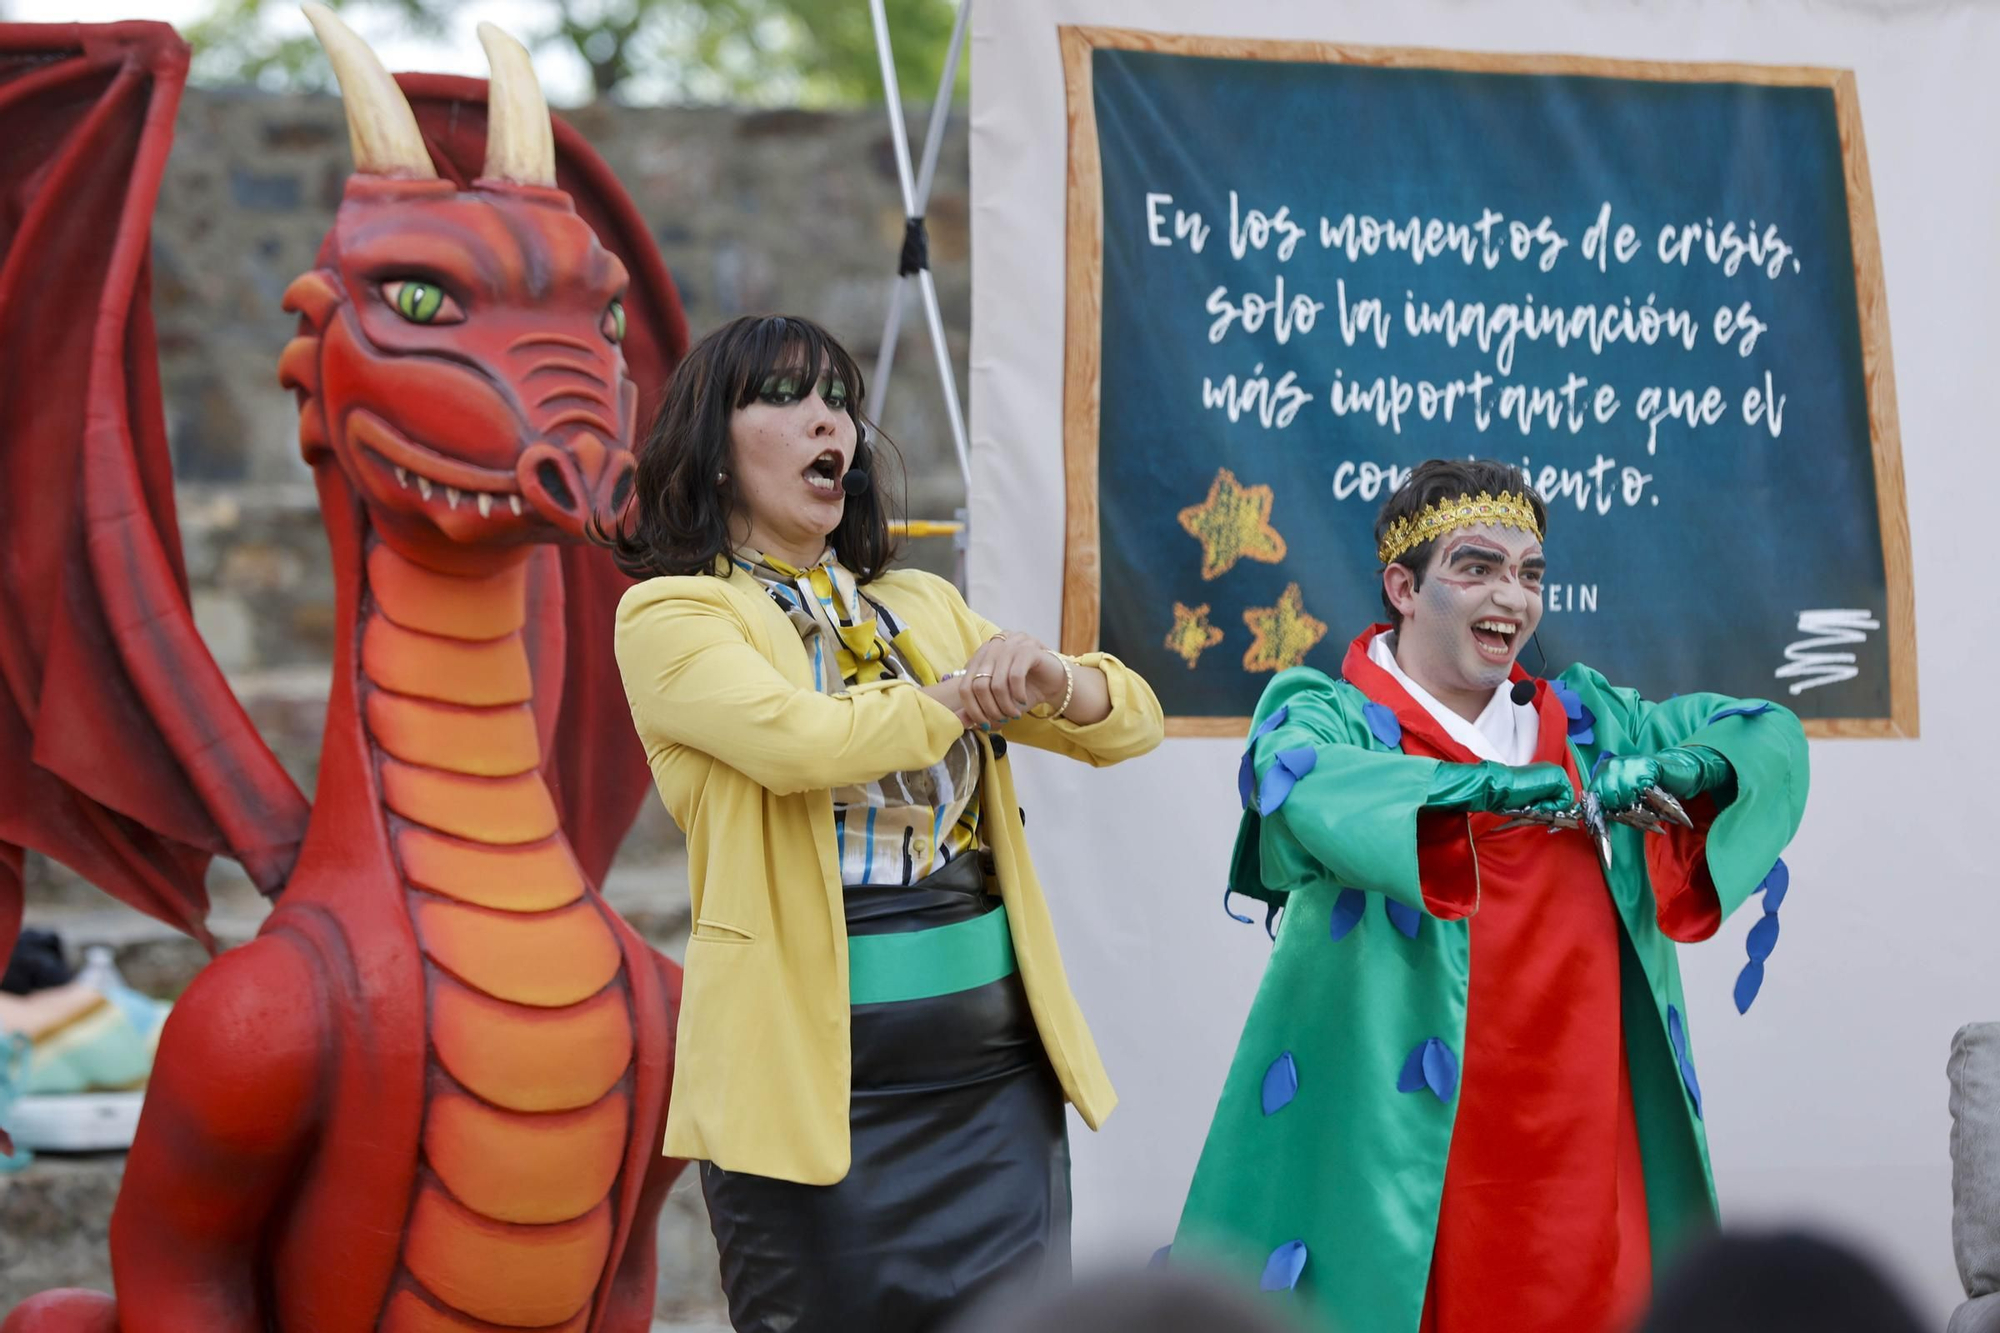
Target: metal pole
(892, 327)
(899, 138)
(889, 91)
(885, 355)
(941, 106)
(947, 379)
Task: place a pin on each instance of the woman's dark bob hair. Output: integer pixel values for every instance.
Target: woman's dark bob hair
(679, 520)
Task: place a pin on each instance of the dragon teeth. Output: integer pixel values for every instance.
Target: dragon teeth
(485, 505)
(424, 487)
(452, 496)
(514, 502)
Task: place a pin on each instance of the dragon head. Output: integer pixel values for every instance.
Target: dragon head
(458, 355)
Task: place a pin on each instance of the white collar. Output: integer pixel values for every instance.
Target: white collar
(1504, 732)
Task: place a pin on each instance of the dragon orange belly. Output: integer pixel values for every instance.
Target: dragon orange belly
(528, 1110)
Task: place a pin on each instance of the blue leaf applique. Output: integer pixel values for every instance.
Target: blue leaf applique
(1281, 1083)
(1430, 1065)
(1287, 767)
(1677, 1038)
(1411, 1077)
(1246, 771)
(1403, 917)
(1748, 982)
(1763, 937)
(1581, 723)
(1776, 885)
(1347, 911)
(1739, 710)
(1382, 724)
(1440, 1069)
(1282, 1269)
(1271, 723)
(1227, 890)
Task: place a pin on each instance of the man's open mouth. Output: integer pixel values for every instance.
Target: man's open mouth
(1496, 637)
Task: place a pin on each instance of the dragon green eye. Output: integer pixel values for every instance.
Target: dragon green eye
(418, 302)
(421, 301)
(614, 322)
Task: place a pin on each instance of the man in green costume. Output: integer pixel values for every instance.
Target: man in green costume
(1465, 1098)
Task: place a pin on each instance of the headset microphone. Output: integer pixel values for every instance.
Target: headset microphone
(855, 481)
(1524, 690)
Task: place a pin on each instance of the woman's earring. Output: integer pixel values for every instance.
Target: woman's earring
(722, 478)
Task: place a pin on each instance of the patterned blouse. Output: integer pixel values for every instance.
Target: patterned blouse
(903, 826)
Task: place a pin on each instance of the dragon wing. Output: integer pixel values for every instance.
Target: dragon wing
(123, 752)
(597, 767)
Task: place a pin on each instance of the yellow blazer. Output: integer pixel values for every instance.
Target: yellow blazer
(745, 753)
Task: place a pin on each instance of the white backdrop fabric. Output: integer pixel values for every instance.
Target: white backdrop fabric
(1826, 1103)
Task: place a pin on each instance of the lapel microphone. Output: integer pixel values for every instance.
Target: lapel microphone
(1524, 690)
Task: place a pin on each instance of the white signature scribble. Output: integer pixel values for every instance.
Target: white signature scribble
(1817, 661)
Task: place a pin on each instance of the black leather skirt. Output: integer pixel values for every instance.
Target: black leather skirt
(960, 1175)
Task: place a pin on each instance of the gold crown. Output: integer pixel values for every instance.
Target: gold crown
(1508, 509)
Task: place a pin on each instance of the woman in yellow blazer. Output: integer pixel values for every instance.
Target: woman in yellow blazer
(876, 1036)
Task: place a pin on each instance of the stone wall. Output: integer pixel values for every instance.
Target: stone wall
(753, 211)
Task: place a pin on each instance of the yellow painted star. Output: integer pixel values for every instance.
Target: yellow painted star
(1284, 633)
(1192, 633)
(1234, 522)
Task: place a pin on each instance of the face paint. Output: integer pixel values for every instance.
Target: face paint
(788, 448)
(1481, 598)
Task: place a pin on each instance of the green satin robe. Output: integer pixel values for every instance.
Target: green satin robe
(1352, 1167)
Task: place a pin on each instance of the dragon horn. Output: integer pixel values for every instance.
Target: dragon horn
(380, 123)
(520, 145)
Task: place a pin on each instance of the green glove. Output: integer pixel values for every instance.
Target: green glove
(1497, 787)
(1685, 771)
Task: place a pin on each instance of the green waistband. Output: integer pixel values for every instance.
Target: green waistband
(919, 964)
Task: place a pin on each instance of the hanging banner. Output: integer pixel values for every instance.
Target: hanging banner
(1297, 269)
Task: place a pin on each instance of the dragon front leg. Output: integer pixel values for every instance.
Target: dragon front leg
(229, 1116)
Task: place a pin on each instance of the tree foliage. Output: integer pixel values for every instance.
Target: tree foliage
(755, 52)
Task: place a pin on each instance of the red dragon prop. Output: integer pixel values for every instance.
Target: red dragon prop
(429, 1095)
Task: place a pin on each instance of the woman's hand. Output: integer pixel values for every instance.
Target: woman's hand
(955, 693)
(1011, 673)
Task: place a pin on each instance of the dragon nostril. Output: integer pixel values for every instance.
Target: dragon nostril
(555, 484)
(621, 490)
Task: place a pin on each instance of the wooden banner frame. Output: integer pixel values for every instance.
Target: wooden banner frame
(1084, 285)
